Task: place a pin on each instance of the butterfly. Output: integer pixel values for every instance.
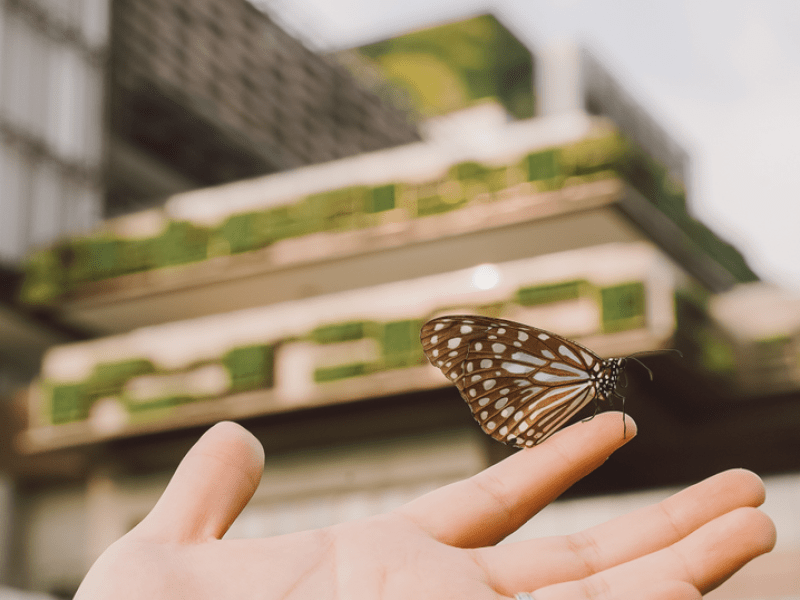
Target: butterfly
(521, 383)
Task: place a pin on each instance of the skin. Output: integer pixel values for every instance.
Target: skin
(441, 545)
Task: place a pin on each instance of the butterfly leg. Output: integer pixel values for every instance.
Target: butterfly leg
(624, 424)
(596, 410)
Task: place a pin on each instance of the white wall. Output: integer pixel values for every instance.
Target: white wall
(51, 121)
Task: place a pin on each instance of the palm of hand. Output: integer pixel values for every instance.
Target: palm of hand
(441, 545)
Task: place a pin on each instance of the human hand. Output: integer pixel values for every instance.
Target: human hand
(441, 545)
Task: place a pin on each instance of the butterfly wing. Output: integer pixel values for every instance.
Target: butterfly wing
(521, 383)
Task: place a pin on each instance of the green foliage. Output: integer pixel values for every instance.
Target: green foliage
(325, 374)
(555, 292)
(400, 343)
(543, 165)
(338, 209)
(593, 154)
(245, 232)
(441, 197)
(250, 367)
(382, 198)
(44, 279)
(53, 274)
(491, 178)
(72, 402)
(156, 404)
(181, 243)
(108, 379)
(449, 67)
(134, 255)
(342, 332)
(623, 306)
(68, 403)
(285, 221)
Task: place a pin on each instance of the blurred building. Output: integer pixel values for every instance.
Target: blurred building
(107, 106)
(542, 192)
(212, 91)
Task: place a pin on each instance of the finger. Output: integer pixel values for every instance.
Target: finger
(704, 559)
(484, 509)
(211, 486)
(663, 590)
(622, 539)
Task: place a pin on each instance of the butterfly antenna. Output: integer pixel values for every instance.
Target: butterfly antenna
(646, 368)
(649, 372)
(661, 351)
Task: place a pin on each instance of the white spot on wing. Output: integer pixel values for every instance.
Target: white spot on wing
(516, 368)
(465, 329)
(546, 377)
(453, 342)
(489, 384)
(498, 348)
(588, 358)
(530, 392)
(568, 369)
(528, 358)
(567, 353)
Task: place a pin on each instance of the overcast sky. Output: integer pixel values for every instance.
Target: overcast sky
(723, 76)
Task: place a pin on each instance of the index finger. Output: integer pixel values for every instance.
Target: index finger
(486, 508)
(622, 539)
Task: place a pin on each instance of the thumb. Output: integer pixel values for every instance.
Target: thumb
(211, 486)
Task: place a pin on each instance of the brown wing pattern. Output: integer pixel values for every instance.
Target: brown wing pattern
(521, 383)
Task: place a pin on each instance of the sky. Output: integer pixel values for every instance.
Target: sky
(721, 76)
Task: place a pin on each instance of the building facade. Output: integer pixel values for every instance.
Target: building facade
(292, 303)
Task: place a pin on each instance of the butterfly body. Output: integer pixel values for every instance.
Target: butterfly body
(521, 383)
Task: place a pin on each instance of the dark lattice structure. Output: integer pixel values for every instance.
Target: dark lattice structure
(211, 91)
